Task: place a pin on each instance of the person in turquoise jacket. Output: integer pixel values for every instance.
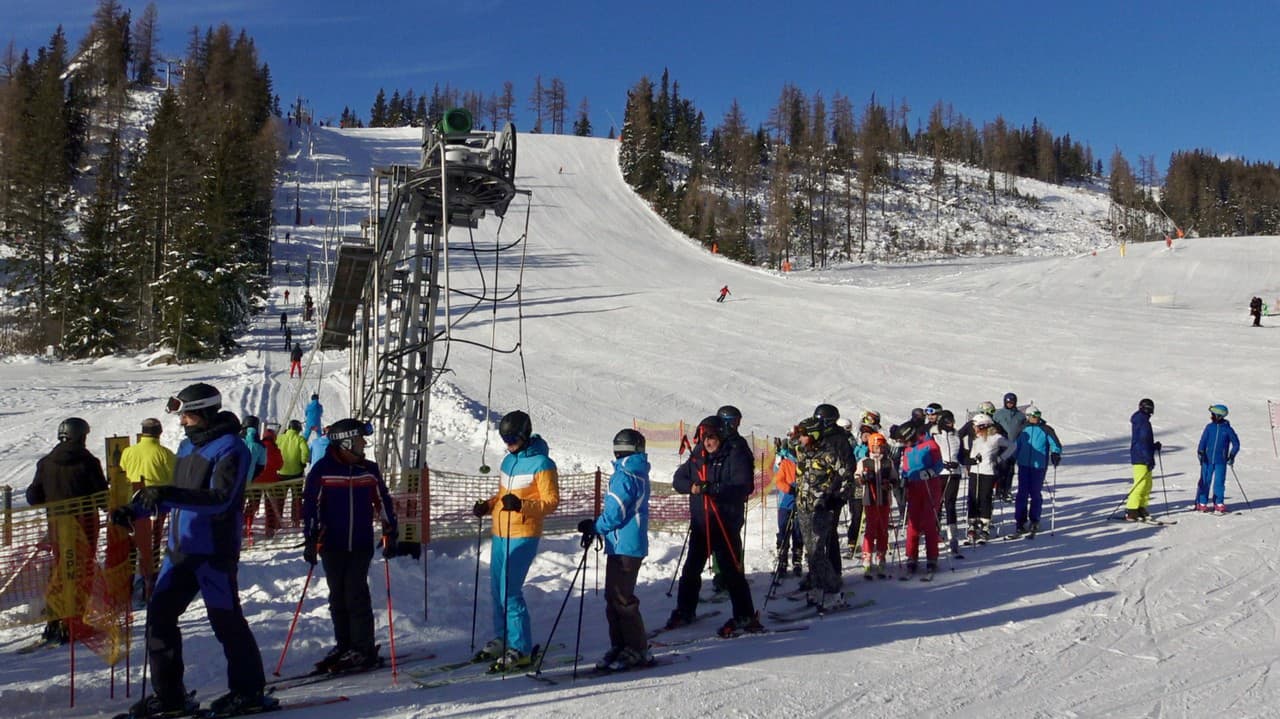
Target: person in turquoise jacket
(1219, 444)
(624, 525)
(1037, 448)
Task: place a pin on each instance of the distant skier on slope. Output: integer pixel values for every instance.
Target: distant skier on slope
(1255, 311)
(724, 292)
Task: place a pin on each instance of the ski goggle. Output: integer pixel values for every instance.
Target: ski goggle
(931, 411)
(177, 406)
(511, 438)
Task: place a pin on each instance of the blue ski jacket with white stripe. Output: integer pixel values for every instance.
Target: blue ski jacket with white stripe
(624, 518)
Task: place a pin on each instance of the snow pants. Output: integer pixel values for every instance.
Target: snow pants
(1140, 494)
(621, 607)
(790, 538)
(182, 576)
(950, 490)
(725, 543)
(1213, 484)
(924, 496)
(819, 526)
(855, 521)
(509, 562)
(1030, 497)
(350, 606)
(875, 539)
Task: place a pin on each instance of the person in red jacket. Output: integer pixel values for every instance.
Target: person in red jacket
(263, 488)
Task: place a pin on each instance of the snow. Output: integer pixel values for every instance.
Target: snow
(1095, 618)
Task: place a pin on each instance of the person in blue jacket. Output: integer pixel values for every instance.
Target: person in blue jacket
(1219, 444)
(314, 413)
(1142, 454)
(624, 525)
(206, 503)
(342, 496)
(1037, 448)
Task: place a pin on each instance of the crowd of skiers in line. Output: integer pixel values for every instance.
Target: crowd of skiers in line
(823, 467)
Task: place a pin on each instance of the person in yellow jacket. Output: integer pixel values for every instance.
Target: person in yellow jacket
(149, 464)
(296, 454)
(528, 491)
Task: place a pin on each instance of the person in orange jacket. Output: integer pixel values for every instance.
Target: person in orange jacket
(790, 538)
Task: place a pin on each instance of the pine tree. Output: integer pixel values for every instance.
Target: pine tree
(582, 126)
(378, 113)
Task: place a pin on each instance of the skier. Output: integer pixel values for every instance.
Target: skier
(263, 489)
(149, 464)
(1217, 450)
(624, 525)
(1142, 454)
(313, 413)
(724, 292)
(944, 433)
(295, 455)
(840, 443)
(1037, 449)
(820, 468)
(288, 339)
(295, 360)
(71, 479)
(989, 451)
(718, 483)
(206, 497)
(286, 292)
(1011, 420)
(789, 538)
(921, 466)
(342, 496)
(284, 321)
(249, 431)
(877, 473)
(1255, 310)
(528, 491)
(852, 488)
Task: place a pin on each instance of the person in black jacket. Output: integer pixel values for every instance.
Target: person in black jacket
(1255, 310)
(718, 482)
(343, 494)
(69, 472)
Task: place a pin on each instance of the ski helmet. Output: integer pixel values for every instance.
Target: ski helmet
(1219, 411)
(1010, 397)
(315, 397)
(1147, 406)
(827, 414)
(199, 398)
(871, 417)
(987, 408)
(731, 416)
(251, 422)
(1033, 412)
(627, 442)
(515, 427)
(982, 420)
(710, 427)
(73, 429)
(344, 432)
(917, 414)
(946, 419)
(932, 408)
(845, 423)
(875, 442)
(810, 427)
(152, 427)
(906, 431)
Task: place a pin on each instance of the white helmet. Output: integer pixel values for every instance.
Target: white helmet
(844, 423)
(982, 420)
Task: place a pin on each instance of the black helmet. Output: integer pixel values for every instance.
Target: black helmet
(826, 413)
(515, 427)
(730, 415)
(199, 398)
(1010, 397)
(73, 429)
(1147, 406)
(315, 396)
(906, 431)
(251, 422)
(627, 442)
(932, 408)
(295, 425)
(917, 414)
(344, 431)
(946, 419)
(711, 426)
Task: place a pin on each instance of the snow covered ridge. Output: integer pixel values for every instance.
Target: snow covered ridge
(621, 322)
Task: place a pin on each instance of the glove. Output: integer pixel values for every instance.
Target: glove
(951, 465)
(827, 504)
(588, 529)
(1055, 458)
(389, 544)
(1204, 458)
(309, 551)
(122, 516)
(975, 459)
(1231, 460)
(149, 497)
(511, 502)
(711, 488)
(1156, 447)
(480, 508)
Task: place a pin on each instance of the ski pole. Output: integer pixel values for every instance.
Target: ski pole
(782, 555)
(391, 625)
(680, 560)
(475, 592)
(1053, 502)
(298, 610)
(582, 564)
(582, 605)
(1232, 467)
(506, 589)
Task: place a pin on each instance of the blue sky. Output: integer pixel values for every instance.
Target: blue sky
(1147, 77)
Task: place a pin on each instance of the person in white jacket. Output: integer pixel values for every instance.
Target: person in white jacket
(989, 451)
(944, 433)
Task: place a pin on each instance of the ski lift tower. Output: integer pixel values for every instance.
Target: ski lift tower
(463, 175)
